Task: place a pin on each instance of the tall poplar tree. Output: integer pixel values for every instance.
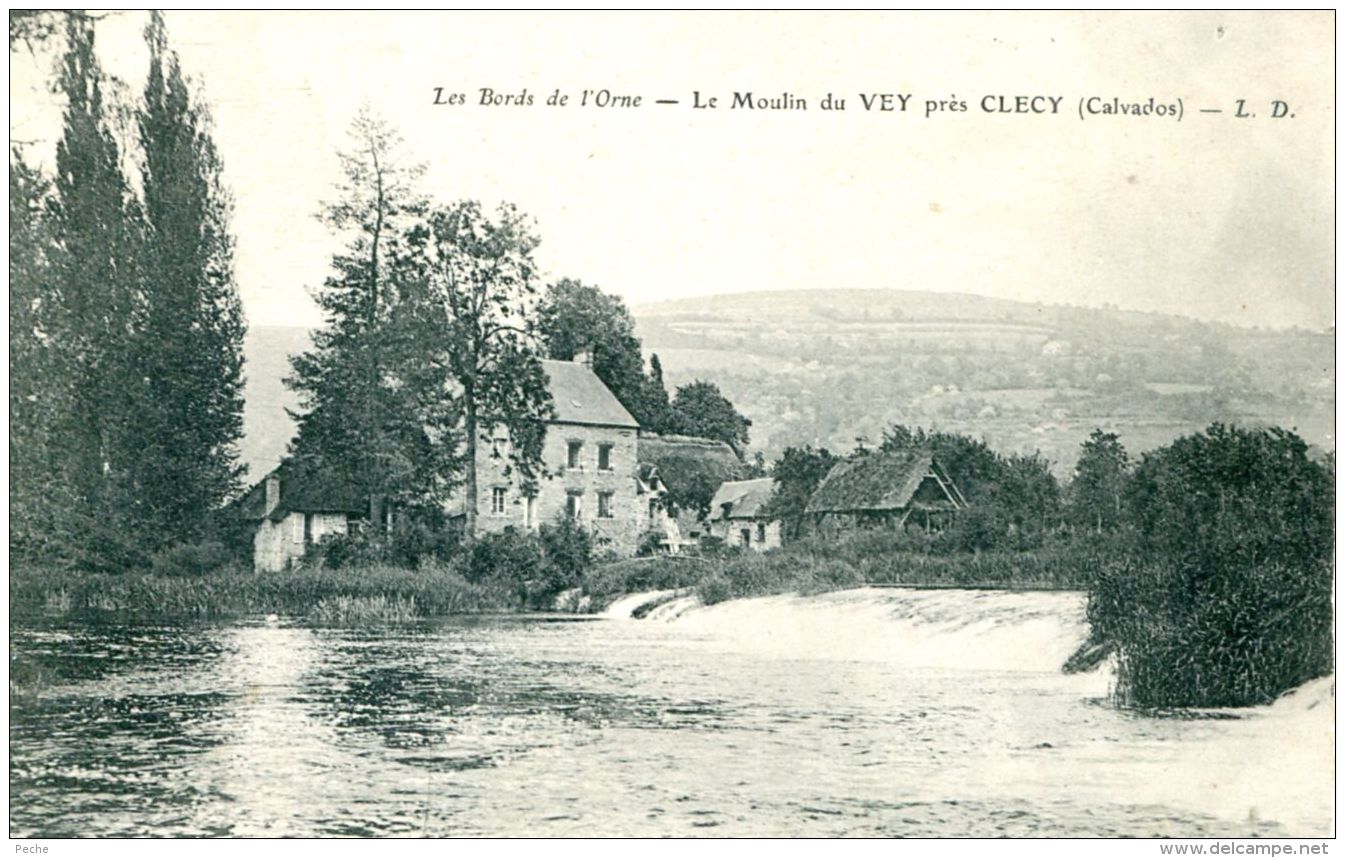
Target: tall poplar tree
(96, 303)
(37, 380)
(190, 347)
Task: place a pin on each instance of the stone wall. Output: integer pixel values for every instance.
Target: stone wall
(763, 535)
(277, 543)
(628, 510)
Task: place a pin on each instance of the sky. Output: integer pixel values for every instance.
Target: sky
(1212, 216)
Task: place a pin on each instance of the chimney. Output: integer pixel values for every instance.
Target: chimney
(584, 357)
(272, 493)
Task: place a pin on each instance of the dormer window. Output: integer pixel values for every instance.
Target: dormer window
(576, 448)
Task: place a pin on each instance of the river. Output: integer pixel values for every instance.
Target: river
(860, 713)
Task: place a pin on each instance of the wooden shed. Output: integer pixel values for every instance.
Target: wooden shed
(887, 490)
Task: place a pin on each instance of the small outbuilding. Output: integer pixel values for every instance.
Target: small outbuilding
(884, 490)
(738, 515)
(293, 508)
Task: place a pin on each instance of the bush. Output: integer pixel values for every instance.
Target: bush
(192, 559)
(508, 559)
(651, 544)
(434, 590)
(568, 551)
(661, 572)
(1225, 598)
(712, 591)
(410, 543)
(1239, 637)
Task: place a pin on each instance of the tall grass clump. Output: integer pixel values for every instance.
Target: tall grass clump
(1224, 596)
(363, 611)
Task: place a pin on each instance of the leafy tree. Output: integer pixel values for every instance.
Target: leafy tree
(574, 318)
(1231, 495)
(797, 473)
(701, 410)
(1096, 494)
(189, 355)
(1030, 495)
(656, 404)
(478, 283)
(373, 408)
(697, 479)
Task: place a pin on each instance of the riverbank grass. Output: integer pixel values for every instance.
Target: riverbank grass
(329, 596)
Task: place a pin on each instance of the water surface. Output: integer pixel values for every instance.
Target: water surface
(870, 712)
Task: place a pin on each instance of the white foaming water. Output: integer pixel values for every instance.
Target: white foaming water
(988, 630)
(1263, 763)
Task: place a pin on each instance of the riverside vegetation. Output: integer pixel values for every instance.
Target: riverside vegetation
(1207, 566)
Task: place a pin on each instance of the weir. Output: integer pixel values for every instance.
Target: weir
(963, 629)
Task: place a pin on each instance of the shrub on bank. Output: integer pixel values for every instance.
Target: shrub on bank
(191, 559)
(1225, 598)
(1238, 636)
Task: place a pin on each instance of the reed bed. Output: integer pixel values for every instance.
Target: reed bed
(434, 591)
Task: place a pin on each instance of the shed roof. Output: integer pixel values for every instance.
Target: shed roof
(304, 487)
(881, 481)
(743, 498)
(581, 397)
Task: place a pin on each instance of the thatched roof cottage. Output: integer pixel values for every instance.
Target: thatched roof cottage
(884, 490)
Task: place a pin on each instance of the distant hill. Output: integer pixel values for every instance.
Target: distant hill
(829, 366)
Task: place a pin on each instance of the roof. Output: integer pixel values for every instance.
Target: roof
(744, 499)
(647, 478)
(304, 487)
(656, 449)
(684, 462)
(883, 481)
(581, 397)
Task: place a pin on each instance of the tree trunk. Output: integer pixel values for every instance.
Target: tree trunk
(469, 392)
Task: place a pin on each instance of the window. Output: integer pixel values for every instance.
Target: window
(604, 457)
(575, 448)
(747, 536)
(653, 510)
(573, 505)
(761, 531)
(497, 498)
(497, 448)
(604, 504)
